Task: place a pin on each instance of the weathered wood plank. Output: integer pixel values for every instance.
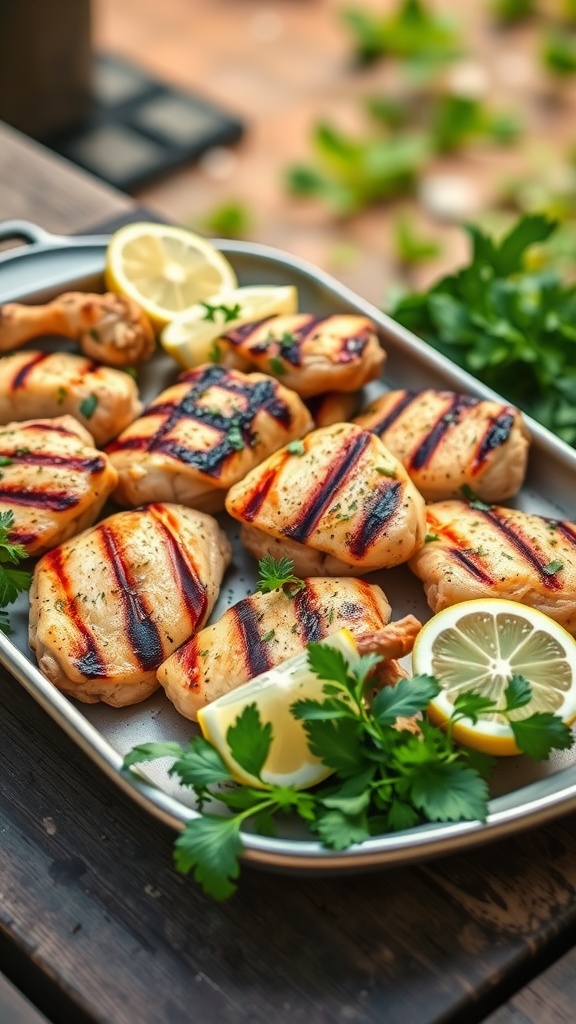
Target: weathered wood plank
(548, 999)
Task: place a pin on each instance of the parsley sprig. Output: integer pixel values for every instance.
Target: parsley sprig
(12, 581)
(392, 769)
(508, 326)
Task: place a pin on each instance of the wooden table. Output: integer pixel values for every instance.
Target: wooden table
(96, 926)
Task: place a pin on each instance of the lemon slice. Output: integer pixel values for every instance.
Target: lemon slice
(289, 762)
(479, 645)
(189, 338)
(165, 268)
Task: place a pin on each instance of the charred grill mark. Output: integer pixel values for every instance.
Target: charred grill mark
(185, 576)
(188, 658)
(308, 615)
(496, 434)
(20, 378)
(404, 400)
(287, 343)
(379, 511)
(24, 537)
(257, 497)
(468, 562)
(325, 488)
(55, 501)
(255, 397)
(353, 346)
(144, 636)
(245, 331)
(568, 530)
(453, 414)
(523, 548)
(255, 652)
(92, 464)
(89, 661)
(54, 428)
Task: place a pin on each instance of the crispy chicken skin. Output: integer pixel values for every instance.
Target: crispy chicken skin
(50, 384)
(53, 480)
(109, 606)
(448, 441)
(341, 504)
(202, 435)
(498, 552)
(109, 328)
(261, 631)
(309, 354)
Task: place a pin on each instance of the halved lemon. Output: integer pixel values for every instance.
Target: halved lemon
(165, 268)
(479, 645)
(190, 337)
(289, 762)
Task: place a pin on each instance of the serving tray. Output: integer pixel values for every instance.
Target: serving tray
(524, 794)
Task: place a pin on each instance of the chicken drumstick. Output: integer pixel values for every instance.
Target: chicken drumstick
(109, 328)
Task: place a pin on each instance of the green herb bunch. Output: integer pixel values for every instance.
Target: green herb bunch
(392, 769)
(12, 581)
(513, 328)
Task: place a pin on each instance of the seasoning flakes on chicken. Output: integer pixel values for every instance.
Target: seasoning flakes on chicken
(202, 435)
(49, 384)
(109, 328)
(338, 504)
(310, 354)
(476, 551)
(53, 480)
(261, 631)
(449, 441)
(110, 605)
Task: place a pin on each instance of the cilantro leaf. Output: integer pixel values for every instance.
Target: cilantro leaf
(541, 733)
(150, 752)
(472, 705)
(249, 740)
(12, 583)
(338, 831)
(518, 693)
(406, 698)
(210, 847)
(328, 663)
(339, 744)
(446, 791)
(200, 766)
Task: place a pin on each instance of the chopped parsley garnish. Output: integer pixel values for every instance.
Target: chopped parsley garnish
(227, 313)
(274, 574)
(88, 406)
(295, 447)
(12, 581)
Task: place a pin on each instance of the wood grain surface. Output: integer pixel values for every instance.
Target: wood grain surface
(548, 999)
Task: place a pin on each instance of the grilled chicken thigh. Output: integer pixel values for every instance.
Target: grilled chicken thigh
(338, 504)
(263, 630)
(203, 434)
(53, 480)
(309, 354)
(109, 606)
(49, 384)
(334, 407)
(498, 552)
(448, 441)
(109, 328)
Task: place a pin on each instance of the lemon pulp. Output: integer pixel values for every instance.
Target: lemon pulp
(478, 646)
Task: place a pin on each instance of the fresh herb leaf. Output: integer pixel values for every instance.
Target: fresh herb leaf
(541, 733)
(152, 751)
(88, 406)
(235, 437)
(12, 581)
(227, 313)
(210, 847)
(276, 573)
(405, 699)
(295, 447)
(249, 740)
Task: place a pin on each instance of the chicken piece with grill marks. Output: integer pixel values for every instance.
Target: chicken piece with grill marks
(47, 384)
(448, 441)
(475, 550)
(53, 480)
(310, 354)
(110, 605)
(263, 630)
(109, 328)
(203, 434)
(339, 504)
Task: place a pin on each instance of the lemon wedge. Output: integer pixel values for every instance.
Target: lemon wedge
(289, 762)
(165, 268)
(190, 337)
(479, 645)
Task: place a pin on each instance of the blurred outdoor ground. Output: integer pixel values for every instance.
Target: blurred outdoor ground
(401, 121)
